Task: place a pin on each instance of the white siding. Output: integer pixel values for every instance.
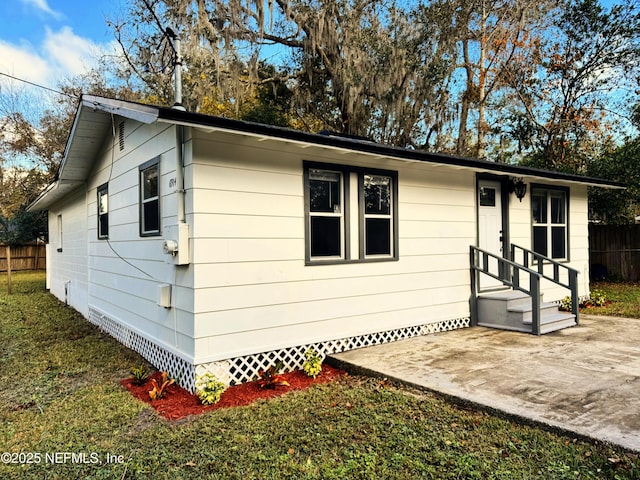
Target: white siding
(67, 260)
(126, 270)
(254, 292)
(521, 230)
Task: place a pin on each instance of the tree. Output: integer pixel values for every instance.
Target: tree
(495, 36)
(566, 100)
(617, 207)
(368, 68)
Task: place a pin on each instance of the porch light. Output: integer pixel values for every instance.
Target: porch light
(518, 187)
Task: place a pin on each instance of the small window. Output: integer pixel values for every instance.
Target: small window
(549, 209)
(487, 197)
(59, 249)
(150, 198)
(103, 211)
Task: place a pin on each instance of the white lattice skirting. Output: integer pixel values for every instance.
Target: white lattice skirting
(246, 368)
(179, 368)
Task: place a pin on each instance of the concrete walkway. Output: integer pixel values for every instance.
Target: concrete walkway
(584, 379)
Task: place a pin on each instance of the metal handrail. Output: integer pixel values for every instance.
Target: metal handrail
(512, 280)
(572, 273)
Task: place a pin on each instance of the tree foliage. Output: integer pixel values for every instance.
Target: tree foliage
(617, 207)
(566, 100)
(370, 68)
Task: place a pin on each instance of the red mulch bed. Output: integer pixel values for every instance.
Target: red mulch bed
(179, 403)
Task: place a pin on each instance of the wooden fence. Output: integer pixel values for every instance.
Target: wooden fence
(614, 252)
(24, 257)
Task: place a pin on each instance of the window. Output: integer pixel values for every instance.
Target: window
(59, 249)
(326, 213)
(350, 214)
(549, 219)
(103, 211)
(378, 231)
(150, 198)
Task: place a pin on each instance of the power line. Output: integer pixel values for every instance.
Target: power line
(36, 85)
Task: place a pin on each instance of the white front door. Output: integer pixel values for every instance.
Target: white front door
(490, 227)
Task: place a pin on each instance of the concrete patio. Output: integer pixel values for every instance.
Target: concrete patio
(584, 379)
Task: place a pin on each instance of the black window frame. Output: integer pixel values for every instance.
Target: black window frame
(550, 192)
(143, 202)
(102, 190)
(348, 211)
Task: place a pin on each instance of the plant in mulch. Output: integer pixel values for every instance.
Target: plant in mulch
(139, 374)
(270, 377)
(160, 389)
(209, 389)
(597, 298)
(312, 366)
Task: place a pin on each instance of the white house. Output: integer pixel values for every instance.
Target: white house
(209, 244)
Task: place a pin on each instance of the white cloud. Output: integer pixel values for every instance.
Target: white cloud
(42, 6)
(23, 61)
(62, 54)
(68, 53)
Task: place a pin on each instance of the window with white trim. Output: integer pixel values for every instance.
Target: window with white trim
(150, 198)
(103, 211)
(350, 213)
(549, 218)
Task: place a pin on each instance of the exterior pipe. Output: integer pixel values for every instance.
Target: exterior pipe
(180, 173)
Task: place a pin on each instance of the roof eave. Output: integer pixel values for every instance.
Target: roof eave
(273, 132)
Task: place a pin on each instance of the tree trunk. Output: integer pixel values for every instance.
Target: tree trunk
(482, 84)
(461, 147)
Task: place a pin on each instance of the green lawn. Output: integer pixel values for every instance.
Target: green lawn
(59, 392)
(625, 299)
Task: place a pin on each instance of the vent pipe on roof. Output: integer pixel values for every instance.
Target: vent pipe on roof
(177, 70)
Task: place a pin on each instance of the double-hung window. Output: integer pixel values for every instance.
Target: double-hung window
(103, 211)
(326, 213)
(150, 198)
(350, 213)
(549, 216)
(378, 218)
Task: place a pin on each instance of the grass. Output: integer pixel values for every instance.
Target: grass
(625, 299)
(59, 392)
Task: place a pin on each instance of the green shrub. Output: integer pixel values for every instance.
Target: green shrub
(565, 304)
(209, 389)
(313, 363)
(598, 298)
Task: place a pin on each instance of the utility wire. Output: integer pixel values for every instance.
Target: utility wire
(36, 85)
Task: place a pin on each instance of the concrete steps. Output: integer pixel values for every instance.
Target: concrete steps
(512, 310)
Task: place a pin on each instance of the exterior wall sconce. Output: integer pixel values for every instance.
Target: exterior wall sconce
(518, 187)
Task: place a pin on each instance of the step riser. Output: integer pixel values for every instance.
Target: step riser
(527, 316)
(555, 326)
(512, 311)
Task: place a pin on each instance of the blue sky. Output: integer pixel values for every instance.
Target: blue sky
(44, 41)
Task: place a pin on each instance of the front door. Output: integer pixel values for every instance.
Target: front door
(490, 227)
